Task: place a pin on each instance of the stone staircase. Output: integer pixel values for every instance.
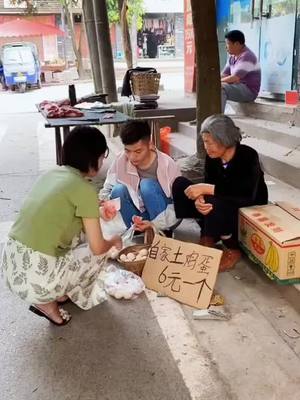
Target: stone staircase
(273, 129)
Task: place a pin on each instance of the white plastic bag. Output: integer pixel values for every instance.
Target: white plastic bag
(113, 227)
(120, 283)
(127, 237)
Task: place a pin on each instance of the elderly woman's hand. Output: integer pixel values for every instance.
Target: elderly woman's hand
(202, 207)
(140, 224)
(199, 189)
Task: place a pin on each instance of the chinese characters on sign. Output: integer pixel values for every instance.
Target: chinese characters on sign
(267, 222)
(184, 271)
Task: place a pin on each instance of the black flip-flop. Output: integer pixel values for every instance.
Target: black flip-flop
(40, 313)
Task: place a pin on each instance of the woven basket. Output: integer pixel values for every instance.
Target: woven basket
(144, 83)
(133, 266)
(136, 266)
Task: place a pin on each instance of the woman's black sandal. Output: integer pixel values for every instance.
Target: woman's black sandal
(66, 317)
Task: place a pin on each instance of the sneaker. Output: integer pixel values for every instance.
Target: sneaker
(229, 258)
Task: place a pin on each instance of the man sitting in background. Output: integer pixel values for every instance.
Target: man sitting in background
(241, 77)
(142, 177)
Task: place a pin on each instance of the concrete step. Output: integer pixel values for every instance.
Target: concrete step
(187, 129)
(280, 133)
(278, 161)
(181, 145)
(266, 109)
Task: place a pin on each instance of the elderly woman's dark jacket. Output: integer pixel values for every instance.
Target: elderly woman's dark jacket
(241, 180)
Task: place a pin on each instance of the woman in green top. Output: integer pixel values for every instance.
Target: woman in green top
(42, 262)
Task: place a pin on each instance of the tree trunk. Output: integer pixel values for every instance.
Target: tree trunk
(208, 80)
(105, 50)
(79, 64)
(208, 64)
(90, 27)
(125, 32)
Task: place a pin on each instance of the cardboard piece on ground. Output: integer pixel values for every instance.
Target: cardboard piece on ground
(183, 271)
(271, 234)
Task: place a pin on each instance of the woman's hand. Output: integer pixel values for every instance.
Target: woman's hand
(202, 207)
(107, 211)
(199, 189)
(140, 224)
(96, 241)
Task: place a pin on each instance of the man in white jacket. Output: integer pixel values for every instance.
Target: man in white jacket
(142, 177)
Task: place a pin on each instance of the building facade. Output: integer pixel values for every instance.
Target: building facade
(271, 31)
(271, 28)
(52, 49)
(161, 35)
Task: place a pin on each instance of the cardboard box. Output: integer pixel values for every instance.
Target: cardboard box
(270, 235)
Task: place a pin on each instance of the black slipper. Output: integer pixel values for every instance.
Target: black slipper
(40, 313)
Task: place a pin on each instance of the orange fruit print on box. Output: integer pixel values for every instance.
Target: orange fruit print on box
(258, 244)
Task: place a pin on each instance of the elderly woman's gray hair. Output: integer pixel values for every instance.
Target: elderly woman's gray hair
(222, 129)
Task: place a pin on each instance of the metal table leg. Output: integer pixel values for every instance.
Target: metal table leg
(66, 131)
(155, 133)
(58, 146)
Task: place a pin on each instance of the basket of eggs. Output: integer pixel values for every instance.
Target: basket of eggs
(133, 258)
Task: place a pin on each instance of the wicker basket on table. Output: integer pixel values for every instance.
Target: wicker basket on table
(136, 266)
(144, 83)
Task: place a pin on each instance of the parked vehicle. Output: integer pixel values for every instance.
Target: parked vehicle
(2, 81)
(21, 66)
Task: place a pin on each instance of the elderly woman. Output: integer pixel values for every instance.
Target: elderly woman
(41, 262)
(233, 179)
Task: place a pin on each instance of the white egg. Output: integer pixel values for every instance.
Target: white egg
(113, 252)
(130, 256)
(127, 295)
(123, 257)
(118, 294)
(143, 252)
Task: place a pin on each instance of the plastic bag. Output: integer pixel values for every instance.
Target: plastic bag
(128, 236)
(113, 227)
(120, 283)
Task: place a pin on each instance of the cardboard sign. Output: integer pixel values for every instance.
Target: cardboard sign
(183, 271)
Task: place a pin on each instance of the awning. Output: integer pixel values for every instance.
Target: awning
(23, 27)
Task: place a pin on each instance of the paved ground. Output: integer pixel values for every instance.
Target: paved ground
(147, 348)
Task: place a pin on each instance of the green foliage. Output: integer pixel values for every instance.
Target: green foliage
(135, 8)
(113, 11)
